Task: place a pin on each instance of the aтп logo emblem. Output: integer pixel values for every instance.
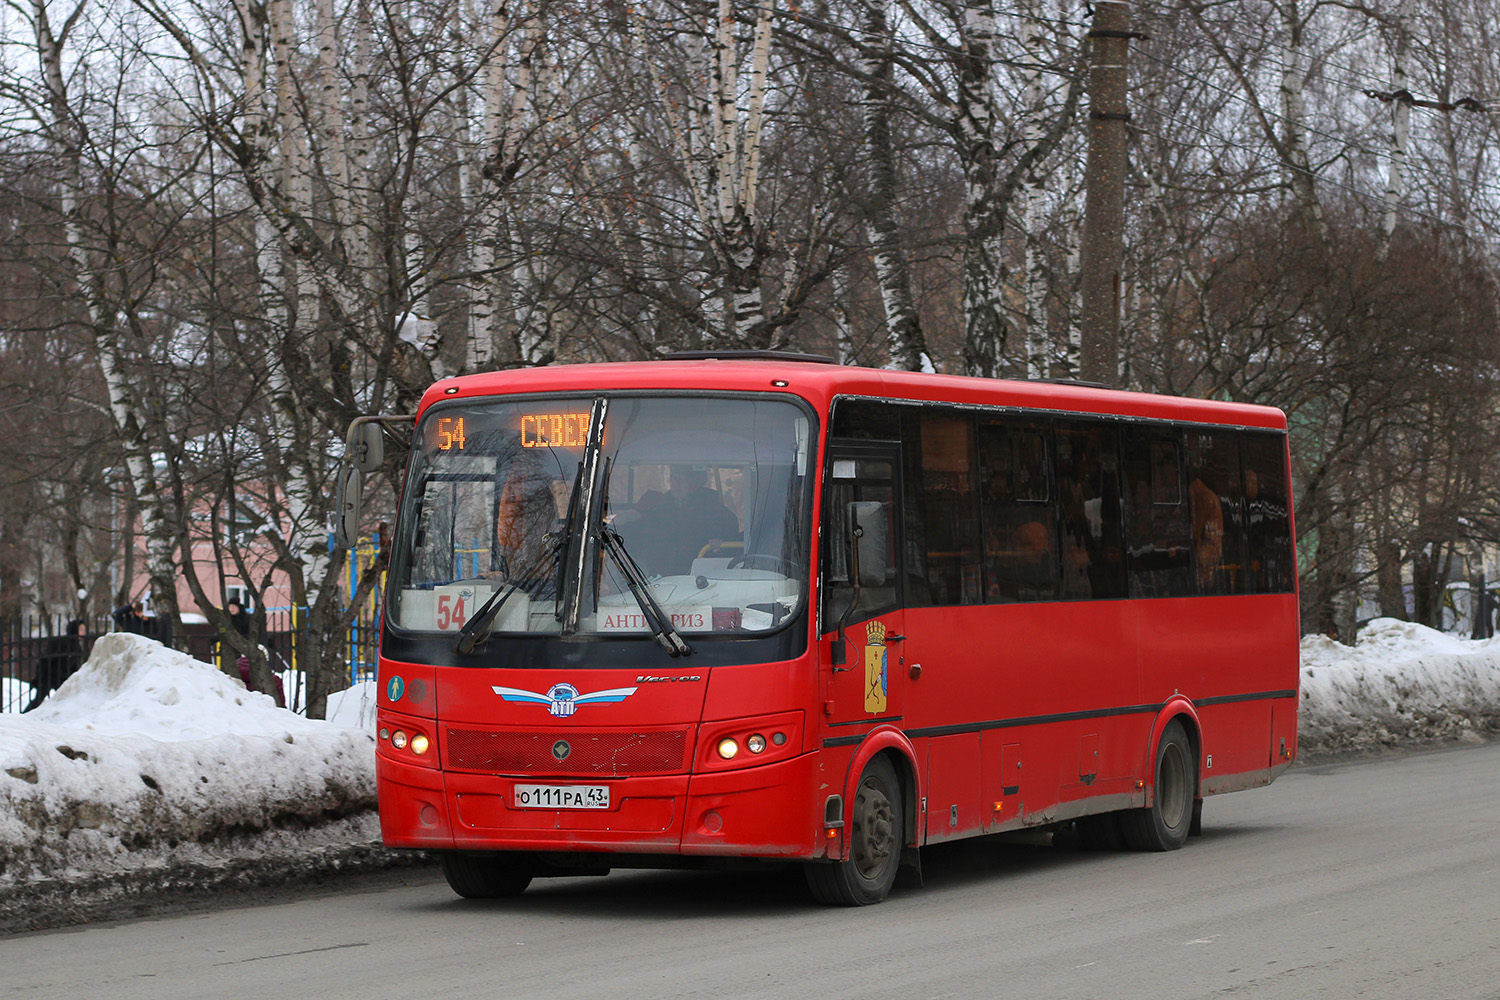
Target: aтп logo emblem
(563, 699)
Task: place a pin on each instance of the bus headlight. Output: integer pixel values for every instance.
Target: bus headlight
(419, 744)
(728, 747)
(398, 740)
(756, 743)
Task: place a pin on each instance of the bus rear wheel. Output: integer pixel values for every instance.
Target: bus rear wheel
(486, 876)
(875, 840)
(1164, 825)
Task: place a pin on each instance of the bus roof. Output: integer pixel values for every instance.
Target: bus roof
(820, 383)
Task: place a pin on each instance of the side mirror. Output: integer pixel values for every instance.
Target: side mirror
(869, 522)
(365, 446)
(346, 507)
(364, 453)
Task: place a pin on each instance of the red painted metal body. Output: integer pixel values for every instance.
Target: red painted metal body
(999, 717)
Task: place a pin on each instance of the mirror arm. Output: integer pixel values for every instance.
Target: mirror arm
(841, 645)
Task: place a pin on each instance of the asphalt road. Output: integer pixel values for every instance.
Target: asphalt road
(1368, 879)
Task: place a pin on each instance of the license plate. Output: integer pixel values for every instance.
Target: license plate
(562, 796)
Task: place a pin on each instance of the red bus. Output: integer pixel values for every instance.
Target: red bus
(726, 607)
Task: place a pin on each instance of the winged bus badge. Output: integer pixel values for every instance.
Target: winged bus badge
(562, 700)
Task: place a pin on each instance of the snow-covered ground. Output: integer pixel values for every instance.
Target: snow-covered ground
(148, 761)
(1401, 684)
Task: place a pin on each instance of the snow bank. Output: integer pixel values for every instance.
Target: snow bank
(353, 708)
(1400, 683)
(146, 756)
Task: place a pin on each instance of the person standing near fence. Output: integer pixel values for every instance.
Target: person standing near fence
(128, 618)
(240, 619)
(61, 658)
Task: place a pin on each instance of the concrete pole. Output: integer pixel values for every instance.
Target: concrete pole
(1104, 185)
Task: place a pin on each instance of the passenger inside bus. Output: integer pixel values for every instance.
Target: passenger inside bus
(1208, 531)
(524, 514)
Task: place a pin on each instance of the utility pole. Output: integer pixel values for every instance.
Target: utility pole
(1104, 185)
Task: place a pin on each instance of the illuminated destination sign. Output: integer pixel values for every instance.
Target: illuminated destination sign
(450, 433)
(554, 430)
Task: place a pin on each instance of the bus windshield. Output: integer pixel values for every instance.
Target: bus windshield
(705, 499)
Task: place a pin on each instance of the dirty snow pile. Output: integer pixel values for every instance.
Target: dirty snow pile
(1400, 684)
(146, 758)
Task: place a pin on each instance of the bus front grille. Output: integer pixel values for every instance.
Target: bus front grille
(585, 752)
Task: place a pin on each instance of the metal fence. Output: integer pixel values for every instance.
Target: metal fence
(35, 653)
(33, 647)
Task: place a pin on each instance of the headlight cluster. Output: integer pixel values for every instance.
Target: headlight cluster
(752, 741)
(408, 741)
(729, 747)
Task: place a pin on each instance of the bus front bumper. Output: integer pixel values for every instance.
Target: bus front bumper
(761, 812)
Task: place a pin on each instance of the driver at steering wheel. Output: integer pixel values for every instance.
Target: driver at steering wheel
(681, 522)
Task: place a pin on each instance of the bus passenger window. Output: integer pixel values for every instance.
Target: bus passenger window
(1157, 530)
(1020, 559)
(950, 519)
(1268, 528)
(1088, 488)
(1215, 500)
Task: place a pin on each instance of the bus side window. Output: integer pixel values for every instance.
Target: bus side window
(1088, 490)
(1268, 531)
(1216, 502)
(1158, 536)
(946, 503)
(1018, 519)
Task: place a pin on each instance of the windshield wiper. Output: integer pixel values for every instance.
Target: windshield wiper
(660, 623)
(477, 629)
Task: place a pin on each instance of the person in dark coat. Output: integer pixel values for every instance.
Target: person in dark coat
(240, 619)
(61, 658)
(680, 523)
(128, 618)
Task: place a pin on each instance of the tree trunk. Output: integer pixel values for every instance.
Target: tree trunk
(1389, 592)
(908, 346)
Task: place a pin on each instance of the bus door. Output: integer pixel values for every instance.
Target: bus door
(862, 619)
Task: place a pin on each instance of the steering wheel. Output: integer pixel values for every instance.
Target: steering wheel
(761, 560)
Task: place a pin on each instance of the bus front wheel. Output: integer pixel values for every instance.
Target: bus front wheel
(1164, 825)
(875, 839)
(486, 876)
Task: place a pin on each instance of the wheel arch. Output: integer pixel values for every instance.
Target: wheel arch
(1177, 709)
(892, 744)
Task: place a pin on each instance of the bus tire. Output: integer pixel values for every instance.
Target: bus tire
(875, 841)
(1164, 825)
(486, 876)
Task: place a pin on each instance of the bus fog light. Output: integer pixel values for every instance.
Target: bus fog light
(756, 743)
(779, 739)
(419, 744)
(398, 740)
(728, 748)
(385, 733)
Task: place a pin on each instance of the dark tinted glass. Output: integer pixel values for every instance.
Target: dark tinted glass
(1268, 532)
(1158, 538)
(947, 507)
(1216, 506)
(1019, 520)
(1088, 488)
